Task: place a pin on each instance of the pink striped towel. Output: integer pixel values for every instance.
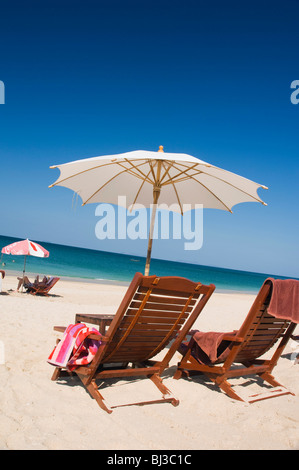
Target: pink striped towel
(75, 348)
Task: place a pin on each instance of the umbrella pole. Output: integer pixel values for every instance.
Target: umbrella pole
(151, 232)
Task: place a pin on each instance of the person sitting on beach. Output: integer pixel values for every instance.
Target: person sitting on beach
(36, 283)
(2, 276)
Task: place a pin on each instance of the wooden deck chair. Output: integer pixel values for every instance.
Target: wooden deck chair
(44, 290)
(153, 312)
(257, 335)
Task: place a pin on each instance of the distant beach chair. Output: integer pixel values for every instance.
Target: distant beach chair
(259, 332)
(43, 290)
(153, 312)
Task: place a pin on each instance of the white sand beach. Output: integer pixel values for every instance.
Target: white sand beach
(37, 413)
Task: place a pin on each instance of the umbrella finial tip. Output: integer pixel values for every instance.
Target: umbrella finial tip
(160, 148)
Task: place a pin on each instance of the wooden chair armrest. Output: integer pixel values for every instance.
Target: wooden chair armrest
(235, 339)
(104, 339)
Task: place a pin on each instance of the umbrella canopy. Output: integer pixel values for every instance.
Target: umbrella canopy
(26, 248)
(147, 177)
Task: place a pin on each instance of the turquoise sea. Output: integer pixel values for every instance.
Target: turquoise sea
(74, 262)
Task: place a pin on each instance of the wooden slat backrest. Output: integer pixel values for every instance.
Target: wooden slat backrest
(150, 316)
(51, 284)
(260, 330)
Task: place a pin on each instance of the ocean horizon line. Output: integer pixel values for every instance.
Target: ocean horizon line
(143, 258)
(115, 282)
(90, 264)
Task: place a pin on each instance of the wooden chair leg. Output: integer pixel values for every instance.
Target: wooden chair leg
(94, 392)
(270, 379)
(59, 372)
(226, 387)
(56, 373)
(167, 395)
(178, 374)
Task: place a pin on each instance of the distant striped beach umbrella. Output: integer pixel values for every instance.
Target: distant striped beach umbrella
(146, 177)
(25, 248)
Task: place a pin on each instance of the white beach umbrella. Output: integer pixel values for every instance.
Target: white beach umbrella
(146, 177)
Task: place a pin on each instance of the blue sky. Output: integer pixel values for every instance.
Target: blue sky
(211, 79)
